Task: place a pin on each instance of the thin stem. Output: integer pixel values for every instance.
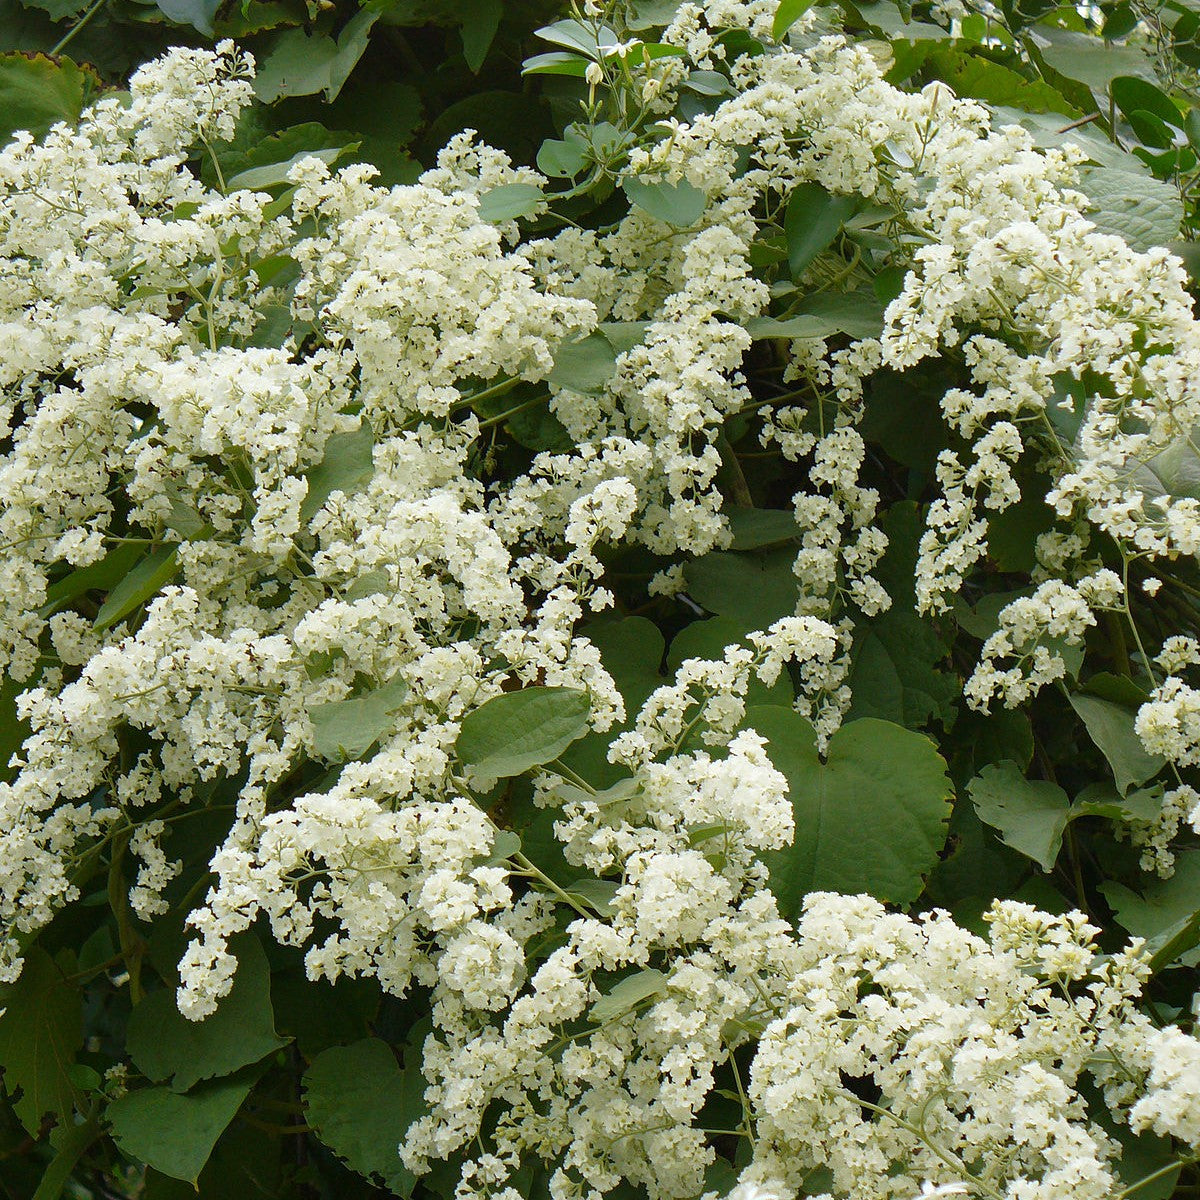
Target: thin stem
(87, 16)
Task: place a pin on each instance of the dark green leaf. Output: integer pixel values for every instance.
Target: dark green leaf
(813, 219)
(173, 1133)
(510, 201)
(146, 580)
(753, 528)
(518, 730)
(557, 62)
(361, 1103)
(871, 817)
(300, 64)
(37, 92)
(787, 14)
(1111, 728)
(1133, 94)
(196, 13)
(754, 589)
(347, 467)
(626, 995)
(1030, 814)
(40, 1030)
(481, 19)
(164, 1044)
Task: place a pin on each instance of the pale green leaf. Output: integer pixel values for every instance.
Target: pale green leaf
(347, 729)
(1030, 815)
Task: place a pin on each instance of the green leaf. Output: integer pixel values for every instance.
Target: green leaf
(172, 1133)
(786, 15)
(678, 204)
(361, 1103)
(753, 528)
(755, 590)
(871, 817)
(164, 1044)
(510, 201)
(575, 35)
(813, 219)
(481, 19)
(100, 576)
(562, 159)
(557, 62)
(196, 13)
(346, 729)
(585, 365)
(40, 1030)
(1111, 728)
(70, 1142)
(518, 730)
(347, 466)
(981, 79)
(896, 673)
(13, 732)
(146, 580)
(626, 995)
(274, 172)
(1133, 94)
(1146, 212)
(301, 64)
(1031, 815)
(37, 92)
(1165, 906)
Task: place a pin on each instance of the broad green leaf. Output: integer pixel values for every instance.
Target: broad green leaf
(575, 35)
(273, 174)
(40, 1031)
(1165, 906)
(301, 64)
(811, 222)
(981, 79)
(631, 650)
(1103, 800)
(142, 583)
(100, 576)
(870, 817)
(755, 590)
(361, 1103)
(1031, 815)
(680, 204)
(196, 13)
(585, 365)
(174, 1133)
(69, 1142)
(518, 730)
(753, 528)
(556, 62)
(163, 1044)
(804, 325)
(510, 201)
(481, 19)
(1111, 728)
(1169, 945)
(626, 995)
(1144, 211)
(347, 466)
(1089, 59)
(1133, 94)
(37, 91)
(346, 729)
(787, 14)
(562, 159)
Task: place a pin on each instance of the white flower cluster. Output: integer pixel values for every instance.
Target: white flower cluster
(309, 587)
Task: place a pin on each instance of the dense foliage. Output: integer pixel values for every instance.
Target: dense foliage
(599, 602)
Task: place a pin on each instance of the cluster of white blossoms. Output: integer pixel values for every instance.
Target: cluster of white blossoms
(256, 561)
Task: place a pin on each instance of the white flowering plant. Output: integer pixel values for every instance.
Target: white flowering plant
(669, 670)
